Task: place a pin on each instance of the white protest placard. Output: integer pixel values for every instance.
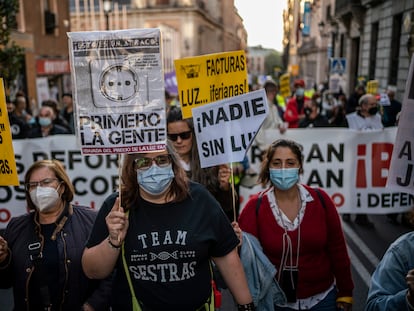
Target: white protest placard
(384, 100)
(118, 90)
(226, 129)
(351, 166)
(401, 175)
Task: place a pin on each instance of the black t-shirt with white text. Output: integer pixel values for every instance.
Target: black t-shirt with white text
(168, 250)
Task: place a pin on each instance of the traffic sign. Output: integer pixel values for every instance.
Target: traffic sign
(338, 65)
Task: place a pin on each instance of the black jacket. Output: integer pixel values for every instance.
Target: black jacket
(18, 269)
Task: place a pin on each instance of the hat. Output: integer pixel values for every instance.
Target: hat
(299, 82)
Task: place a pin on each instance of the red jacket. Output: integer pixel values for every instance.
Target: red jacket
(292, 112)
(323, 255)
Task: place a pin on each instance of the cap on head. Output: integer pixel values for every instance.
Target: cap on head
(299, 83)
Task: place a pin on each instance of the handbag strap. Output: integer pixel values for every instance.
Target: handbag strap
(135, 304)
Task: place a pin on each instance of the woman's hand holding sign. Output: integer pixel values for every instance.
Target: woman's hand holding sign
(117, 223)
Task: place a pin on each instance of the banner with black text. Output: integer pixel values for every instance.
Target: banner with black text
(351, 166)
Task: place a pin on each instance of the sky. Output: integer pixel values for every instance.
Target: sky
(263, 20)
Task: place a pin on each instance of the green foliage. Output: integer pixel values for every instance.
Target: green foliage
(273, 60)
(11, 63)
(11, 55)
(8, 11)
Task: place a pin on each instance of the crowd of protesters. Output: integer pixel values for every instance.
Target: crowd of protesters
(305, 108)
(49, 120)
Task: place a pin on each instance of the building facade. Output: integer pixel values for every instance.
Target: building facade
(41, 31)
(370, 39)
(189, 28)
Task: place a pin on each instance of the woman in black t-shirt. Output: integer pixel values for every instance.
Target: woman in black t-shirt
(162, 239)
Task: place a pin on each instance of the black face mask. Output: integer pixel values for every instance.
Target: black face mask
(373, 111)
(307, 111)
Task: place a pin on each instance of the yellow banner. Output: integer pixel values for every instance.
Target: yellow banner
(210, 78)
(372, 87)
(8, 170)
(284, 82)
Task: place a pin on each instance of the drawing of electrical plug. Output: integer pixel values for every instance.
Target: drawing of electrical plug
(115, 84)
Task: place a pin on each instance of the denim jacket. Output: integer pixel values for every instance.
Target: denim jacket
(388, 287)
(260, 274)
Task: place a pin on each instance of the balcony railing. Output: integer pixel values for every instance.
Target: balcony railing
(344, 6)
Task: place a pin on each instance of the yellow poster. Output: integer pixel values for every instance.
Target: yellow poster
(210, 78)
(372, 87)
(284, 82)
(8, 170)
(294, 70)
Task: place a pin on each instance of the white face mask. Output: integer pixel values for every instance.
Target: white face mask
(44, 198)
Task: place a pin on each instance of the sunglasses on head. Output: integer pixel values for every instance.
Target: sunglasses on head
(182, 135)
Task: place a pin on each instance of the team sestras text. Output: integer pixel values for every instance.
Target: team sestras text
(216, 67)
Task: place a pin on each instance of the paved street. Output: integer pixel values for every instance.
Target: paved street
(366, 247)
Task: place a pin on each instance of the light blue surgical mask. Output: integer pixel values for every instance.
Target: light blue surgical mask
(300, 92)
(284, 178)
(155, 180)
(45, 121)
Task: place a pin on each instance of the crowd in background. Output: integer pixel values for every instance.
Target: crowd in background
(49, 119)
(305, 108)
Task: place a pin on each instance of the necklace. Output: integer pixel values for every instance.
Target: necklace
(287, 261)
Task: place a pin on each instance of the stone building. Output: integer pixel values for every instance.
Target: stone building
(189, 28)
(373, 38)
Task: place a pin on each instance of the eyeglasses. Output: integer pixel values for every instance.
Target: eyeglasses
(47, 182)
(162, 160)
(183, 135)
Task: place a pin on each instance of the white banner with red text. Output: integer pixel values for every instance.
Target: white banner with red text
(351, 166)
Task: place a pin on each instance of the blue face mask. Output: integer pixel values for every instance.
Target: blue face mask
(155, 179)
(284, 178)
(44, 121)
(300, 92)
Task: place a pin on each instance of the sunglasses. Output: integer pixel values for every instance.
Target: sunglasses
(144, 163)
(183, 135)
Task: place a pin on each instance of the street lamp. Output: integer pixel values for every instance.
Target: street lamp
(107, 7)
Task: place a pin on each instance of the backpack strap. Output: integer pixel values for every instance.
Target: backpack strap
(258, 202)
(318, 192)
(35, 251)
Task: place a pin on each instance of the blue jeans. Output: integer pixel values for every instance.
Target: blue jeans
(327, 304)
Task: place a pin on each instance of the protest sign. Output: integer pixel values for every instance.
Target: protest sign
(94, 177)
(118, 90)
(401, 176)
(284, 82)
(372, 87)
(384, 99)
(8, 171)
(351, 166)
(210, 78)
(225, 129)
